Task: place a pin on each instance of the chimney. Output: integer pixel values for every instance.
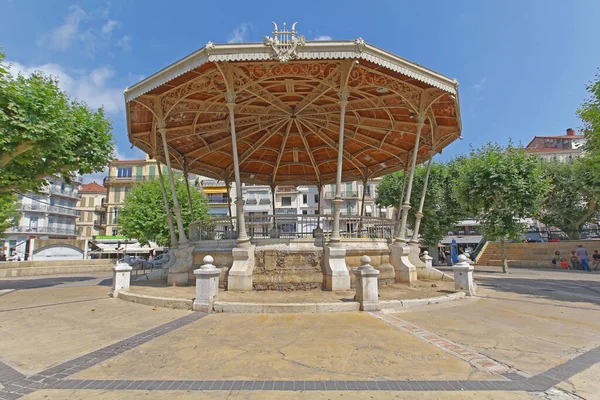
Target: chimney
(570, 132)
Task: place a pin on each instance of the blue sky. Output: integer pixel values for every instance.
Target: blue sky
(522, 65)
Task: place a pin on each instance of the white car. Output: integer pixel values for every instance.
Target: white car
(16, 257)
(158, 262)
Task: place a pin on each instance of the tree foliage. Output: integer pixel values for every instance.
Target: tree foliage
(590, 115)
(573, 197)
(8, 211)
(43, 132)
(499, 187)
(441, 209)
(143, 216)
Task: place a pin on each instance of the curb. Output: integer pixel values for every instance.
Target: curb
(281, 308)
(392, 305)
(164, 302)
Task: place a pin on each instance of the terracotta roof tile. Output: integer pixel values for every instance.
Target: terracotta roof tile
(92, 187)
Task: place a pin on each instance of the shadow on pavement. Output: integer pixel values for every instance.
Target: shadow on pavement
(42, 282)
(578, 291)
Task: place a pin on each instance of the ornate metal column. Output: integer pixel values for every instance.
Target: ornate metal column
(189, 195)
(419, 214)
(243, 239)
(167, 208)
(337, 201)
(406, 204)
(176, 208)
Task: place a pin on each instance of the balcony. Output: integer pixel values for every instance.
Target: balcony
(43, 230)
(33, 208)
(99, 223)
(346, 194)
(73, 194)
(286, 189)
(128, 180)
(217, 199)
(62, 211)
(212, 183)
(285, 211)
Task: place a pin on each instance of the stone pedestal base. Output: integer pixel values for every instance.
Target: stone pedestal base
(431, 273)
(367, 289)
(121, 279)
(179, 265)
(406, 272)
(463, 276)
(413, 256)
(178, 278)
(207, 285)
(240, 274)
(336, 276)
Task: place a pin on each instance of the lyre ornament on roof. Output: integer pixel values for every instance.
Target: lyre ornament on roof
(285, 43)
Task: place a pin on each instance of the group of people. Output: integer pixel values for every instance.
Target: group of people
(579, 259)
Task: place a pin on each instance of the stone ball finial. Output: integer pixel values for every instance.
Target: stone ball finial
(462, 258)
(208, 260)
(364, 260)
(426, 253)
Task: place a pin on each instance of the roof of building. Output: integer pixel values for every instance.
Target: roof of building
(550, 150)
(93, 187)
(556, 137)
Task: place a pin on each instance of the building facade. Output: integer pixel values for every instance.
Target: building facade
(50, 213)
(557, 148)
(92, 214)
(122, 174)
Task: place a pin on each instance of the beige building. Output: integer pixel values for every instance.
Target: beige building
(122, 174)
(91, 220)
(557, 148)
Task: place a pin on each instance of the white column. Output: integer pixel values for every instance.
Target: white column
(207, 285)
(85, 250)
(176, 208)
(32, 245)
(367, 289)
(419, 214)
(167, 208)
(243, 239)
(337, 201)
(463, 276)
(189, 195)
(406, 204)
(121, 279)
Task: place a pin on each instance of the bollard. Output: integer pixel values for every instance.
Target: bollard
(121, 279)
(207, 285)
(367, 291)
(463, 276)
(428, 259)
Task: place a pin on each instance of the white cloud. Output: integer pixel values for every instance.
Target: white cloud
(92, 87)
(124, 43)
(480, 85)
(109, 26)
(70, 31)
(323, 37)
(239, 33)
(94, 30)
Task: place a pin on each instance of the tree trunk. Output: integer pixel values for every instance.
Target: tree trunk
(572, 232)
(504, 262)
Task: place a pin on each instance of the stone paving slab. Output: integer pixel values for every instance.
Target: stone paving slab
(279, 346)
(275, 395)
(68, 322)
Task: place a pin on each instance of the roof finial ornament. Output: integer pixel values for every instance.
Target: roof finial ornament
(284, 42)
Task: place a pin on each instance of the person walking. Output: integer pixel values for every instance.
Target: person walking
(596, 258)
(574, 260)
(582, 256)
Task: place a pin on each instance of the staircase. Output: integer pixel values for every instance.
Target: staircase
(532, 254)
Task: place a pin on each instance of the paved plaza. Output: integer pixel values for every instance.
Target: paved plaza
(531, 334)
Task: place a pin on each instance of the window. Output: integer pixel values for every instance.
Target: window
(89, 217)
(88, 231)
(115, 232)
(286, 201)
(91, 202)
(304, 199)
(117, 195)
(82, 202)
(124, 172)
(115, 215)
(317, 198)
(152, 170)
(138, 173)
(304, 212)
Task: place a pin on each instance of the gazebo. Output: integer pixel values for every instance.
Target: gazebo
(293, 112)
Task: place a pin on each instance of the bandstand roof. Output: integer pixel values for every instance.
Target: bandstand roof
(287, 113)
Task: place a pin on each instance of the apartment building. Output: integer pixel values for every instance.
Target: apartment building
(122, 174)
(217, 194)
(50, 213)
(557, 148)
(92, 214)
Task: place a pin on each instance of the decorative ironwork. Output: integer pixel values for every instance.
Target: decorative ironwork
(285, 43)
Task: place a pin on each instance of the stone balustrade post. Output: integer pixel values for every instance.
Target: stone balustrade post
(207, 285)
(463, 276)
(427, 259)
(367, 289)
(121, 278)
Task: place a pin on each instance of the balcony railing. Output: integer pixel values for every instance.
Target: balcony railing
(127, 179)
(346, 194)
(285, 211)
(286, 189)
(212, 183)
(217, 200)
(99, 223)
(264, 201)
(42, 230)
(64, 192)
(49, 209)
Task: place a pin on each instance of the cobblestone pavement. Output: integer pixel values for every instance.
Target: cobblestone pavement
(550, 304)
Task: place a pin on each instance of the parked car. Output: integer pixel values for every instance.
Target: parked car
(132, 261)
(158, 262)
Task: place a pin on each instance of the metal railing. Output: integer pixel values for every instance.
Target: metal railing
(49, 209)
(292, 226)
(286, 189)
(42, 230)
(212, 183)
(64, 192)
(346, 194)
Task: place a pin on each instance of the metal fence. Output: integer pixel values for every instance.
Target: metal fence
(292, 226)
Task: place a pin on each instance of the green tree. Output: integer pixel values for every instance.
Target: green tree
(590, 115)
(499, 187)
(143, 216)
(43, 132)
(441, 209)
(573, 198)
(8, 211)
